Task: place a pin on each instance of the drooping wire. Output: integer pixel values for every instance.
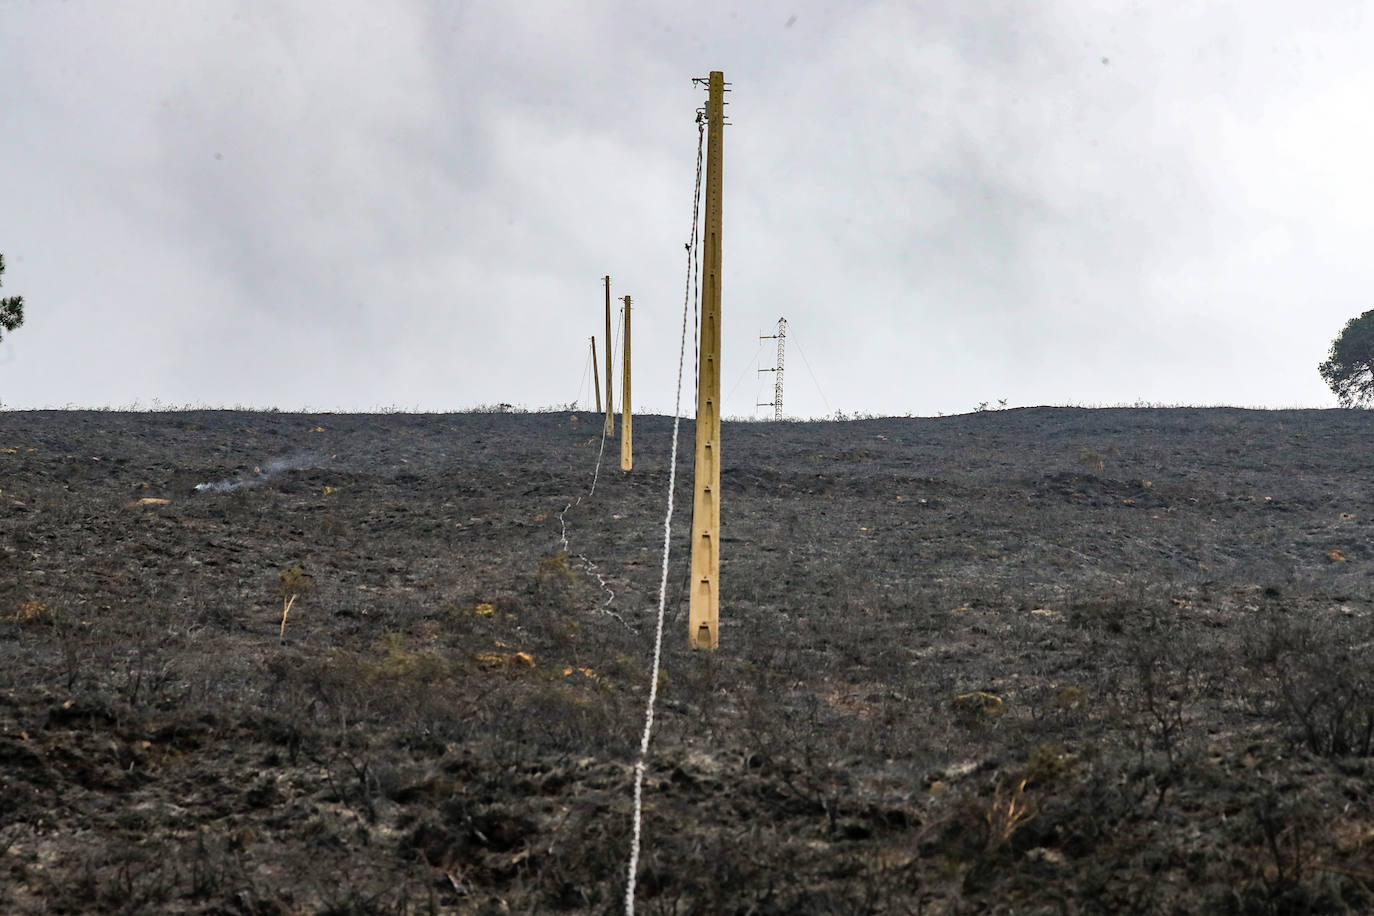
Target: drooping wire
(694, 259)
(667, 541)
(743, 372)
(582, 559)
(585, 383)
(615, 338)
(694, 265)
(807, 362)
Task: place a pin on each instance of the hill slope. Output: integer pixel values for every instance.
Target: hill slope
(1041, 660)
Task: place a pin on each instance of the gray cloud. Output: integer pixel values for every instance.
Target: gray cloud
(356, 206)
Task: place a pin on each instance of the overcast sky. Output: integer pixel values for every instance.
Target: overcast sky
(411, 204)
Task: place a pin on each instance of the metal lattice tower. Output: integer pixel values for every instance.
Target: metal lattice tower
(781, 338)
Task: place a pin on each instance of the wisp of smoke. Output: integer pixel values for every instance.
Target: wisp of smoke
(260, 475)
(221, 486)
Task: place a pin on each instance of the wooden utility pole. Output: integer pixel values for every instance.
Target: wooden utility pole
(610, 396)
(626, 457)
(596, 376)
(704, 617)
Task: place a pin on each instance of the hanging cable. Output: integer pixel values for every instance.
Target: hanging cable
(694, 264)
(798, 345)
(667, 541)
(738, 381)
(584, 383)
(586, 562)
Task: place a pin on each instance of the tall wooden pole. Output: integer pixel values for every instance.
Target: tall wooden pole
(596, 375)
(704, 617)
(626, 457)
(610, 389)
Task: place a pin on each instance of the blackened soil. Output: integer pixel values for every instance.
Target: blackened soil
(1030, 661)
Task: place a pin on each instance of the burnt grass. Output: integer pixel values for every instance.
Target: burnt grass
(1029, 661)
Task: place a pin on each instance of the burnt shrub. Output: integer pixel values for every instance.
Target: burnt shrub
(554, 579)
(570, 715)
(1160, 675)
(1315, 677)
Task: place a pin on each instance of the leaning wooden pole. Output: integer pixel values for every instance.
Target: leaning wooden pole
(596, 376)
(626, 455)
(610, 389)
(704, 614)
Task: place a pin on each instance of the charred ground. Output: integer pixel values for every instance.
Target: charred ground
(1043, 660)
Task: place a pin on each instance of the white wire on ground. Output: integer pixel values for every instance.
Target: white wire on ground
(586, 563)
(663, 581)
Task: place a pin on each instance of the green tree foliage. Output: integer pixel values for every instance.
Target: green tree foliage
(11, 309)
(1349, 367)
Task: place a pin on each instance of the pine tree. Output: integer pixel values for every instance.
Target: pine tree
(11, 309)
(1349, 367)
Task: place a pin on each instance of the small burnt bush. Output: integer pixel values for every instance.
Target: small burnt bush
(571, 716)
(1318, 680)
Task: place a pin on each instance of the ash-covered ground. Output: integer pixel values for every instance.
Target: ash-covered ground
(1027, 661)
